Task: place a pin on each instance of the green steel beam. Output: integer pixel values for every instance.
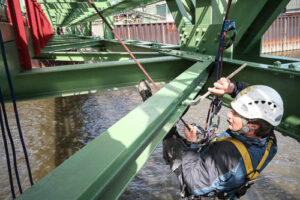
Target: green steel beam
(136, 46)
(194, 20)
(66, 12)
(250, 44)
(127, 5)
(262, 22)
(63, 42)
(78, 45)
(189, 6)
(122, 6)
(83, 11)
(94, 56)
(53, 12)
(94, 173)
(90, 78)
(202, 34)
(115, 46)
(179, 14)
(59, 6)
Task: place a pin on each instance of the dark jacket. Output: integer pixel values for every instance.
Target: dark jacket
(219, 165)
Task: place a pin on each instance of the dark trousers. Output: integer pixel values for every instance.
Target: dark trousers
(174, 147)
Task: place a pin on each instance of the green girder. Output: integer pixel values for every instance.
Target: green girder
(91, 78)
(73, 45)
(94, 56)
(72, 12)
(109, 68)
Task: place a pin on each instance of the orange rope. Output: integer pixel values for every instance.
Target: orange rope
(123, 44)
(130, 53)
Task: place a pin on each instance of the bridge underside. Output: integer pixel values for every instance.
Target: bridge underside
(105, 166)
(108, 174)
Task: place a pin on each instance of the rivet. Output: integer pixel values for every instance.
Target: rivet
(292, 66)
(277, 64)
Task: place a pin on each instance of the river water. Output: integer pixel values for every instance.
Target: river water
(56, 128)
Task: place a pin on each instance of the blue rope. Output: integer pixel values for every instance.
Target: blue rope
(15, 107)
(221, 48)
(221, 44)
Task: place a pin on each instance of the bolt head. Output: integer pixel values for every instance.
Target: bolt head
(292, 66)
(277, 64)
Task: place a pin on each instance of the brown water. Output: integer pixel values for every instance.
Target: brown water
(54, 129)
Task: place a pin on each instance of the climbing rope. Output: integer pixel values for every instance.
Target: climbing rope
(130, 53)
(17, 120)
(216, 104)
(118, 37)
(225, 28)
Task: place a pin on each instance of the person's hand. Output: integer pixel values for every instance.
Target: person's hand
(222, 86)
(191, 135)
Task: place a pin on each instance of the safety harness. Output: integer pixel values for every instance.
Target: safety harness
(252, 174)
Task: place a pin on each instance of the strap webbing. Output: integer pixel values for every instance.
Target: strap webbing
(270, 142)
(252, 174)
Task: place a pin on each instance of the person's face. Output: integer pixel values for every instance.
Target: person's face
(234, 120)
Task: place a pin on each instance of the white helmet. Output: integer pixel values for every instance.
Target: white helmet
(259, 102)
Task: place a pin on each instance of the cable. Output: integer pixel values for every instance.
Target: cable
(15, 107)
(11, 142)
(7, 157)
(126, 48)
(221, 44)
(130, 53)
(219, 60)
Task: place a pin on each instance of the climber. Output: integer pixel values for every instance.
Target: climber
(226, 168)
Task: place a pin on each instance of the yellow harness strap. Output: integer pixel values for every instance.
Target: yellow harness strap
(252, 175)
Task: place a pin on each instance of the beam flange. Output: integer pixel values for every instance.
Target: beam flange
(91, 78)
(122, 6)
(78, 45)
(95, 56)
